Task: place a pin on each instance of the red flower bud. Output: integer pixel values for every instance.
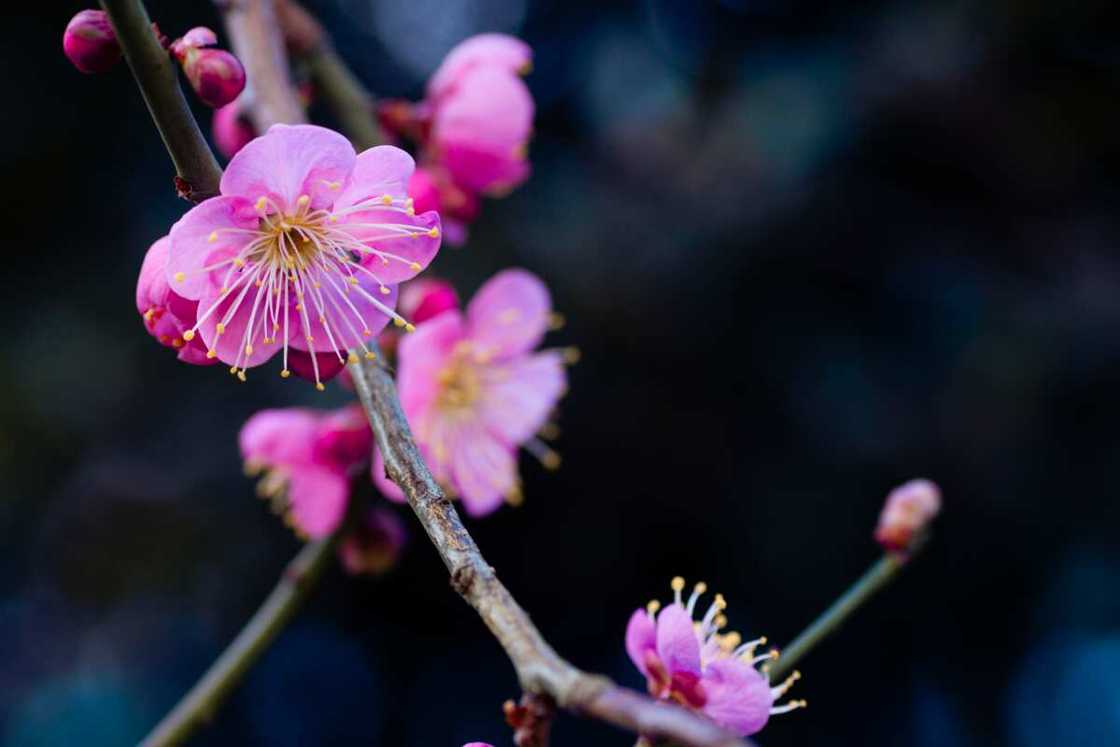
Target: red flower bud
(89, 42)
(214, 74)
(908, 511)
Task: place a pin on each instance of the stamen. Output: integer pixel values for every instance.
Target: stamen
(653, 607)
(697, 591)
(783, 688)
(793, 705)
(677, 585)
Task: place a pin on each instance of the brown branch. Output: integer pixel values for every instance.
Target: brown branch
(197, 171)
(199, 705)
(540, 670)
(255, 35)
(348, 99)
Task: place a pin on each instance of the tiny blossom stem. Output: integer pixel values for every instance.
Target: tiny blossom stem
(348, 99)
(255, 35)
(200, 704)
(197, 170)
(874, 580)
(539, 668)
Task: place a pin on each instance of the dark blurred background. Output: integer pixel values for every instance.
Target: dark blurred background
(808, 250)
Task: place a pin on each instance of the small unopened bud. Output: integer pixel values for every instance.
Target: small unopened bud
(214, 74)
(232, 129)
(89, 42)
(907, 513)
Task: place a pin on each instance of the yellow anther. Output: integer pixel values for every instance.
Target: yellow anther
(730, 641)
(224, 290)
(653, 607)
(334, 186)
(720, 621)
(352, 280)
(188, 335)
(415, 267)
(180, 277)
(397, 321)
(303, 200)
(700, 588)
(556, 321)
(211, 354)
(258, 283)
(285, 373)
(310, 338)
(367, 332)
(413, 235)
(434, 233)
(385, 260)
(572, 355)
(551, 460)
(219, 328)
(299, 307)
(212, 237)
(333, 218)
(262, 202)
(322, 320)
(248, 350)
(387, 199)
(176, 343)
(319, 386)
(233, 370)
(409, 327)
(384, 290)
(241, 374)
(352, 358)
(238, 262)
(370, 356)
(720, 602)
(677, 584)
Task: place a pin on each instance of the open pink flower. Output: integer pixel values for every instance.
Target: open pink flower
(302, 251)
(167, 315)
(308, 458)
(908, 511)
(474, 392)
(694, 664)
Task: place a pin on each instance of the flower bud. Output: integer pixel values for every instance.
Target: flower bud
(908, 511)
(90, 43)
(214, 74)
(424, 298)
(232, 130)
(374, 544)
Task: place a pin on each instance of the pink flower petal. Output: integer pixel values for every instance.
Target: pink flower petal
(279, 436)
(353, 312)
(289, 161)
(344, 439)
(317, 499)
(677, 645)
(403, 245)
(641, 638)
(502, 51)
(381, 170)
(738, 696)
(518, 398)
(483, 469)
(299, 363)
(421, 356)
(237, 344)
(212, 228)
(509, 314)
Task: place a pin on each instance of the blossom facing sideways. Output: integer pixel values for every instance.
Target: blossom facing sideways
(908, 511)
(90, 42)
(215, 74)
(474, 391)
(472, 128)
(302, 250)
(166, 314)
(696, 665)
(306, 459)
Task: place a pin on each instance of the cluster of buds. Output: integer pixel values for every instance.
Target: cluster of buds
(472, 129)
(215, 74)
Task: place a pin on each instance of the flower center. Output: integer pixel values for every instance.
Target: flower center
(459, 380)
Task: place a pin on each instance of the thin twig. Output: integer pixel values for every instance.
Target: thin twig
(876, 578)
(347, 98)
(539, 668)
(199, 705)
(257, 42)
(198, 173)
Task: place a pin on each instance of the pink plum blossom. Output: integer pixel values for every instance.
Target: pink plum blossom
(90, 43)
(308, 458)
(232, 129)
(374, 544)
(474, 391)
(167, 315)
(696, 665)
(302, 250)
(215, 74)
(908, 511)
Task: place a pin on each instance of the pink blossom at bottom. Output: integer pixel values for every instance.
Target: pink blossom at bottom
(307, 458)
(696, 665)
(475, 392)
